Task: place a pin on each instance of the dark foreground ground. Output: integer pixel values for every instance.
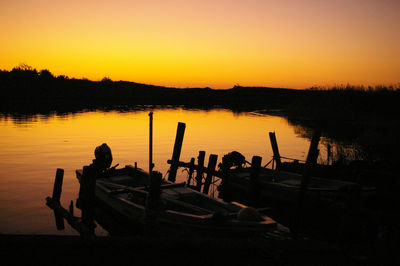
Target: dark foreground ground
(151, 250)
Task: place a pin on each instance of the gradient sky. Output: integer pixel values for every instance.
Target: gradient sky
(215, 43)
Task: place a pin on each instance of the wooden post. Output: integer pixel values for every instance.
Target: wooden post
(226, 184)
(154, 191)
(212, 162)
(275, 150)
(177, 151)
(254, 191)
(71, 208)
(150, 143)
(57, 189)
(87, 195)
(59, 212)
(200, 164)
(153, 201)
(191, 170)
(311, 161)
(328, 154)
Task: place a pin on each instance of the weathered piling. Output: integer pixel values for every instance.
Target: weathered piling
(200, 171)
(212, 162)
(151, 142)
(275, 150)
(177, 151)
(254, 188)
(328, 154)
(196, 168)
(310, 163)
(153, 201)
(87, 195)
(57, 189)
(226, 189)
(71, 208)
(59, 220)
(191, 170)
(60, 212)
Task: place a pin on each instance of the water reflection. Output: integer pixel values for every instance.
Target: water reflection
(352, 142)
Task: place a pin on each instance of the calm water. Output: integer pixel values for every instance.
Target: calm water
(34, 147)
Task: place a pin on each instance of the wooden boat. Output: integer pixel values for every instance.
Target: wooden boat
(125, 191)
(328, 206)
(285, 186)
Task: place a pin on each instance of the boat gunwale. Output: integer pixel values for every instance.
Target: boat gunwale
(263, 179)
(230, 221)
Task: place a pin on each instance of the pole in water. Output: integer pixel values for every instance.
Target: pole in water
(275, 150)
(57, 189)
(200, 170)
(312, 157)
(58, 184)
(177, 151)
(151, 144)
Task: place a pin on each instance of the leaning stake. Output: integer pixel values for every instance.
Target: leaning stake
(177, 151)
(57, 189)
(275, 150)
(58, 184)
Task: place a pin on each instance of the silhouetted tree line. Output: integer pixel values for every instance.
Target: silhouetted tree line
(25, 87)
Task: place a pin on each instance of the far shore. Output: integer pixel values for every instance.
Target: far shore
(367, 115)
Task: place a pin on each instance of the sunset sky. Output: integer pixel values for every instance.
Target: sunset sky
(215, 43)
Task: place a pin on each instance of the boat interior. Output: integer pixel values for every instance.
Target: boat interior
(289, 179)
(133, 185)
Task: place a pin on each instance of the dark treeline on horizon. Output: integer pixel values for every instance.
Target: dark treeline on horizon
(360, 115)
(27, 85)
(26, 89)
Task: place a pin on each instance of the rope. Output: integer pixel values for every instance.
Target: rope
(265, 166)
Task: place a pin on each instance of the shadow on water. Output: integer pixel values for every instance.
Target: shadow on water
(353, 142)
(364, 154)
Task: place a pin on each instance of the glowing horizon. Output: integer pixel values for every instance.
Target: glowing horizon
(294, 44)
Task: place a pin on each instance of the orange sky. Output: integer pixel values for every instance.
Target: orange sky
(215, 43)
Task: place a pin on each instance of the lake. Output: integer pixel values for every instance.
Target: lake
(34, 146)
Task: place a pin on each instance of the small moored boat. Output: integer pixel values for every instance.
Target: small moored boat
(285, 186)
(126, 191)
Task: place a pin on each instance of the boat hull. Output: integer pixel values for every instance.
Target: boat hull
(327, 207)
(182, 209)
